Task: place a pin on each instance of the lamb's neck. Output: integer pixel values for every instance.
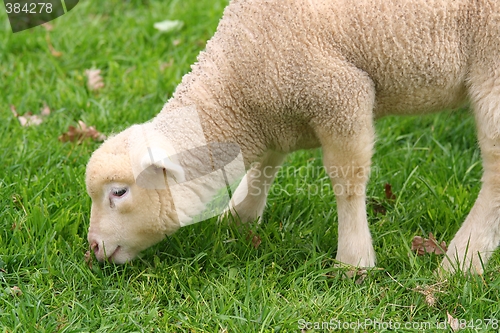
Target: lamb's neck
(201, 199)
(211, 164)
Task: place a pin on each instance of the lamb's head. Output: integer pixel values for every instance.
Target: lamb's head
(130, 211)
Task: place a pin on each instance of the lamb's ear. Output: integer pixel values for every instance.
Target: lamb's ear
(159, 159)
(152, 157)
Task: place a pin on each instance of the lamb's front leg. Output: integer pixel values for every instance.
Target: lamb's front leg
(347, 162)
(249, 199)
(479, 236)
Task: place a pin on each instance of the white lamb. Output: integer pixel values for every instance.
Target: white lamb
(279, 76)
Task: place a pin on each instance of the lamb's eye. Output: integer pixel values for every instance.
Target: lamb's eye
(119, 192)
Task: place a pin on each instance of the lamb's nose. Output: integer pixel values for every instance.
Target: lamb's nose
(94, 247)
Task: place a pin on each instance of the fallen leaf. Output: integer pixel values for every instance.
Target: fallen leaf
(53, 51)
(362, 275)
(388, 192)
(168, 25)
(88, 259)
(29, 119)
(430, 299)
(94, 79)
(80, 133)
(16, 291)
(422, 245)
(454, 323)
(256, 240)
(45, 110)
(430, 292)
(378, 207)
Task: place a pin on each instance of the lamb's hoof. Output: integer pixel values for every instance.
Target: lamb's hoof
(234, 217)
(358, 273)
(224, 216)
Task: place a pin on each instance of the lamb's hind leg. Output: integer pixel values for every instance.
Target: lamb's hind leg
(479, 236)
(249, 198)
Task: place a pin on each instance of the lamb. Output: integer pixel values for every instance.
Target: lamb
(279, 76)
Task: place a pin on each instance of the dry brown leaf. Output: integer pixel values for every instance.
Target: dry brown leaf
(388, 192)
(256, 240)
(53, 51)
(430, 292)
(80, 133)
(423, 245)
(94, 79)
(362, 275)
(378, 207)
(30, 119)
(88, 259)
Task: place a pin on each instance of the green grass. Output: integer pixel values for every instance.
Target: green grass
(208, 277)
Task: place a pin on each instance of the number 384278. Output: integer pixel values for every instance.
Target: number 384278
(28, 8)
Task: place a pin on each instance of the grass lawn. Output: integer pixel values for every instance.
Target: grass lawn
(209, 277)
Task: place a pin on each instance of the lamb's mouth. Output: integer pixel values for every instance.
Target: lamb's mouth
(110, 258)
